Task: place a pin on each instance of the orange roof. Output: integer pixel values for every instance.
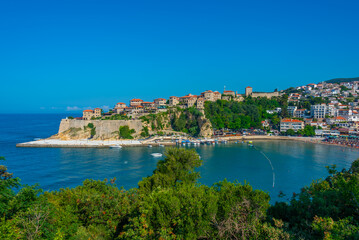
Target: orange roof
(97, 108)
(291, 120)
(139, 106)
(248, 87)
(120, 103)
(88, 110)
(339, 118)
(160, 99)
(136, 100)
(148, 102)
(227, 91)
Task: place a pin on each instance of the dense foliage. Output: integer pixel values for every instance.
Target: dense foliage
(188, 121)
(170, 204)
(124, 132)
(308, 131)
(245, 114)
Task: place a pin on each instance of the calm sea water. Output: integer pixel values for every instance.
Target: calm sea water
(295, 163)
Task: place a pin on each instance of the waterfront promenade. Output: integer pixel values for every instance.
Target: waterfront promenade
(168, 141)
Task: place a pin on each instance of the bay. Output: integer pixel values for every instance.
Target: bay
(295, 164)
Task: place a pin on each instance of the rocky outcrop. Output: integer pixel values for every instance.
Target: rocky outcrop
(206, 127)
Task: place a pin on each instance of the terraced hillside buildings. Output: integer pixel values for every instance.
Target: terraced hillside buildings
(139, 107)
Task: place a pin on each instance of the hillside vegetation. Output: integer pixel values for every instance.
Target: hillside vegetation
(171, 204)
(189, 120)
(340, 80)
(245, 114)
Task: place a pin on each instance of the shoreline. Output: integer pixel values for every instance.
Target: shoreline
(84, 143)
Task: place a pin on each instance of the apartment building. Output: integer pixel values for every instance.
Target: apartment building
(287, 123)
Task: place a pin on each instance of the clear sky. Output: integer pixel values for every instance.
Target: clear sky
(66, 55)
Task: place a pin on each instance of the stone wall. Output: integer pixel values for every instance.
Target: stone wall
(265, 94)
(104, 128)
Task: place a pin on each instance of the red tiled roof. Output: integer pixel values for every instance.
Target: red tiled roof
(291, 120)
(228, 91)
(136, 100)
(248, 87)
(160, 99)
(97, 108)
(339, 118)
(120, 103)
(88, 110)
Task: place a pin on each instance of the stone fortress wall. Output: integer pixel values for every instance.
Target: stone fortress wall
(265, 94)
(104, 128)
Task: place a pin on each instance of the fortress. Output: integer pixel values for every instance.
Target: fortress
(249, 92)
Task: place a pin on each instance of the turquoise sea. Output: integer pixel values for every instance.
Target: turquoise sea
(295, 164)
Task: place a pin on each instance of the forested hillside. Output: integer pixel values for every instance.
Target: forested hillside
(245, 114)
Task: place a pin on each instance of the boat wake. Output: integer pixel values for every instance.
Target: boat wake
(270, 162)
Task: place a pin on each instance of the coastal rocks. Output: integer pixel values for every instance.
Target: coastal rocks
(73, 134)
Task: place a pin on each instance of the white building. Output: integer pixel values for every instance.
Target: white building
(318, 111)
(288, 123)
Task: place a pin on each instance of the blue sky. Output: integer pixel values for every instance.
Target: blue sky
(63, 56)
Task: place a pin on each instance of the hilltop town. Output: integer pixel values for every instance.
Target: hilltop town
(138, 107)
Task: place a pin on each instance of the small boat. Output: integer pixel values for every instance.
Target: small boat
(156, 154)
(116, 146)
(149, 146)
(161, 145)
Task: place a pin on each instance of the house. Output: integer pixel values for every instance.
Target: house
(208, 95)
(188, 100)
(147, 105)
(119, 107)
(287, 123)
(136, 102)
(89, 114)
(173, 101)
(200, 103)
(335, 120)
(160, 102)
(216, 96)
(229, 93)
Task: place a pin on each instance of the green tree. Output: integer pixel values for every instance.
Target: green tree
(125, 132)
(309, 131)
(177, 167)
(290, 132)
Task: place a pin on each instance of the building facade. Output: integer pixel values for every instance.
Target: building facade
(287, 123)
